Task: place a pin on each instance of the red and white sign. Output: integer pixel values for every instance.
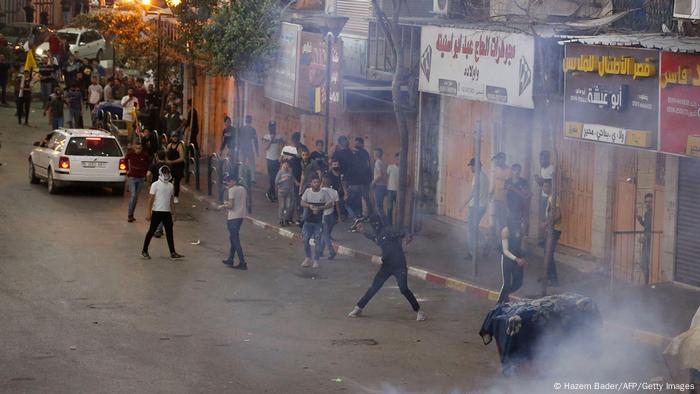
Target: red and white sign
(679, 82)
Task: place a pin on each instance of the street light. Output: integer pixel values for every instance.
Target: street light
(331, 28)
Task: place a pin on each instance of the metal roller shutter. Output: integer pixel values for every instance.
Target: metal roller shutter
(359, 12)
(688, 224)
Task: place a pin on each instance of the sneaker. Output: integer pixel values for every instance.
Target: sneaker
(158, 234)
(332, 256)
(240, 266)
(315, 264)
(269, 197)
(176, 200)
(176, 256)
(131, 220)
(420, 316)
(356, 312)
(306, 262)
(145, 255)
(226, 262)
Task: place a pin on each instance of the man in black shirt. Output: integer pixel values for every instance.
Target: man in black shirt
(319, 156)
(192, 125)
(358, 179)
(517, 197)
(646, 221)
(153, 108)
(336, 178)
(47, 75)
(228, 137)
(29, 11)
(343, 155)
(4, 74)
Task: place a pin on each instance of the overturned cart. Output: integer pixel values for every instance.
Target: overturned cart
(527, 331)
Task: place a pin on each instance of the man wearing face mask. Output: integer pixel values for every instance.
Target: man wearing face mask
(161, 209)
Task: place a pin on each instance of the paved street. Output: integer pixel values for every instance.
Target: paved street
(83, 313)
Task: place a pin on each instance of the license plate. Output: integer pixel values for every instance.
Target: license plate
(94, 164)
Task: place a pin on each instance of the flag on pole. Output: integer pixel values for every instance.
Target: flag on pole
(30, 63)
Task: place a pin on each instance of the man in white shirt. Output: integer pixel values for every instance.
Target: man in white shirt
(330, 217)
(392, 188)
(273, 147)
(237, 208)
(547, 170)
(95, 92)
(315, 202)
(130, 106)
(473, 216)
(161, 209)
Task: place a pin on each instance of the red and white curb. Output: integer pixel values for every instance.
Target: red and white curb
(647, 337)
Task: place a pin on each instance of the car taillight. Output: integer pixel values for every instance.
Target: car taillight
(122, 165)
(64, 163)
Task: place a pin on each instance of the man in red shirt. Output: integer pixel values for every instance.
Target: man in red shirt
(137, 163)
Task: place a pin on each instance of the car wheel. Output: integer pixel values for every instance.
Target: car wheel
(118, 191)
(33, 179)
(51, 184)
(99, 56)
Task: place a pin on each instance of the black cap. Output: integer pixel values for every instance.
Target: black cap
(472, 162)
(272, 125)
(499, 155)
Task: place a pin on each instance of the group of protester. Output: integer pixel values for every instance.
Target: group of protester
(508, 196)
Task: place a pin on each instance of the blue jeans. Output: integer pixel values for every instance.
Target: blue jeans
(379, 195)
(312, 230)
(134, 188)
(356, 193)
(234, 228)
(391, 202)
(45, 89)
(329, 221)
(56, 122)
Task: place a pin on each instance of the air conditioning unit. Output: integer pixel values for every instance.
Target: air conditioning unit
(445, 7)
(686, 9)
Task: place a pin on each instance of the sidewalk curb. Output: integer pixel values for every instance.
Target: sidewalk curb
(462, 286)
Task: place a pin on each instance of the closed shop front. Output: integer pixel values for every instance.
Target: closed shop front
(687, 268)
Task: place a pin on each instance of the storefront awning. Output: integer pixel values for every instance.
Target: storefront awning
(666, 42)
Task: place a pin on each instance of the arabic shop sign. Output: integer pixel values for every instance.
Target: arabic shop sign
(679, 83)
(477, 65)
(280, 85)
(611, 95)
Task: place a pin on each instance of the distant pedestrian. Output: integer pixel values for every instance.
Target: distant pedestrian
(392, 188)
(237, 207)
(130, 108)
(512, 258)
(47, 77)
(358, 179)
(393, 264)
(55, 109)
(518, 197)
(379, 183)
(191, 127)
(137, 163)
(547, 171)
(175, 159)
(296, 166)
(74, 97)
(553, 219)
(24, 97)
(286, 197)
(319, 156)
(161, 209)
(95, 93)
(248, 145)
(646, 222)
(29, 11)
(314, 201)
(272, 144)
(474, 216)
(310, 169)
(4, 78)
(330, 217)
(228, 138)
(337, 184)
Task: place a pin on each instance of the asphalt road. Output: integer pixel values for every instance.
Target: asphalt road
(81, 312)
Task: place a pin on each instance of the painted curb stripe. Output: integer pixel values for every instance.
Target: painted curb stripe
(461, 286)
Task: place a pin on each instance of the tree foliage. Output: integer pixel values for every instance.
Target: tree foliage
(192, 16)
(242, 35)
(132, 36)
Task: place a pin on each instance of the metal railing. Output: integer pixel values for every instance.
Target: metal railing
(632, 252)
(192, 165)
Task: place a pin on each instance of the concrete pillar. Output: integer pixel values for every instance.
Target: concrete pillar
(603, 193)
(441, 156)
(668, 244)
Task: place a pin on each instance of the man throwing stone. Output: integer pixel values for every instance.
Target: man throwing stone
(161, 209)
(393, 263)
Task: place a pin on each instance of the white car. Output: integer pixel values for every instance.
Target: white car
(83, 43)
(78, 156)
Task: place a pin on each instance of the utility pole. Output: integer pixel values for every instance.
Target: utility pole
(477, 193)
(327, 120)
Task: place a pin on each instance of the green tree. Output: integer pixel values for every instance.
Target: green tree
(131, 36)
(240, 38)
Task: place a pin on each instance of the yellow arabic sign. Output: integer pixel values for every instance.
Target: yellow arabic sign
(611, 65)
(681, 76)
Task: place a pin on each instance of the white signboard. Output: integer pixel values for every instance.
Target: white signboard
(601, 133)
(478, 65)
